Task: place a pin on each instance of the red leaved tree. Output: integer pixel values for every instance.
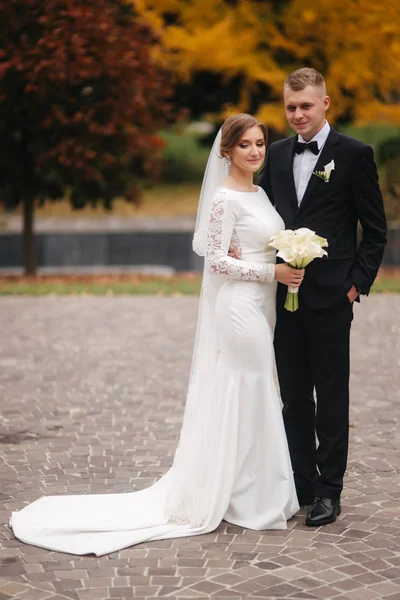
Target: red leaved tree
(80, 104)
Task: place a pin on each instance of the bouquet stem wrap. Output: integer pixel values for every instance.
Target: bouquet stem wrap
(297, 248)
(292, 299)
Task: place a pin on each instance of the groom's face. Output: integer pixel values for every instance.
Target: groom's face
(305, 110)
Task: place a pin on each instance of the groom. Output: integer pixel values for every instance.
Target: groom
(312, 344)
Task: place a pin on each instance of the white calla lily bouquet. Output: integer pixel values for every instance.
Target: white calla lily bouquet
(297, 248)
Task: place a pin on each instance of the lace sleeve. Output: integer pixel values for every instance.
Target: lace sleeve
(220, 229)
(235, 244)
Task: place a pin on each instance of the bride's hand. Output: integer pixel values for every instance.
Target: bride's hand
(288, 276)
(234, 252)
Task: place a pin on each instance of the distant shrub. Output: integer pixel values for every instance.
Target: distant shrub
(373, 134)
(385, 140)
(389, 159)
(184, 157)
(389, 150)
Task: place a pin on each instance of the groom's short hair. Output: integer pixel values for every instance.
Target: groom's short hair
(301, 78)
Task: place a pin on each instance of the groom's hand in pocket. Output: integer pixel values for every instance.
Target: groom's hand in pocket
(352, 294)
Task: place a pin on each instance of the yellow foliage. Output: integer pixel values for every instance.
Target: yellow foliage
(354, 43)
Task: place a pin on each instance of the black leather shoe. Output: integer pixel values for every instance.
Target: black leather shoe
(323, 511)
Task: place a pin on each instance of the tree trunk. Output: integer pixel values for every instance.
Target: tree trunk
(29, 248)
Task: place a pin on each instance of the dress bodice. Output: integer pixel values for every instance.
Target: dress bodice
(257, 221)
(245, 221)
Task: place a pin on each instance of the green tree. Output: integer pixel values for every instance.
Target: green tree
(389, 158)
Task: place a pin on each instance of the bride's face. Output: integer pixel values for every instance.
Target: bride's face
(249, 152)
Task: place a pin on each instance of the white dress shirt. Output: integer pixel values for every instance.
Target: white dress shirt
(304, 163)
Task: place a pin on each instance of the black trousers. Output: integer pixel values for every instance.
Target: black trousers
(313, 353)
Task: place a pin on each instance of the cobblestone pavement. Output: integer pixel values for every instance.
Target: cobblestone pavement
(91, 398)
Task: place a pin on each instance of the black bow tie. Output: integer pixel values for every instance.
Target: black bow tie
(300, 147)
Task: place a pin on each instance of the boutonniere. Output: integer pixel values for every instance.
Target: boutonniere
(326, 173)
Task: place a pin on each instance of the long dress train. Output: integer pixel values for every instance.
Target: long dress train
(232, 461)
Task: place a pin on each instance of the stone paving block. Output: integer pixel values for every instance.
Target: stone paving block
(282, 590)
(69, 367)
(325, 592)
(363, 594)
(31, 594)
(228, 579)
(93, 594)
(227, 595)
(193, 594)
(385, 587)
(8, 587)
(347, 585)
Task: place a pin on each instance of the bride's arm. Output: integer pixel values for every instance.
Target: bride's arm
(221, 225)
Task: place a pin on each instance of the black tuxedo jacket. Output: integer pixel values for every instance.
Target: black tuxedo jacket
(332, 209)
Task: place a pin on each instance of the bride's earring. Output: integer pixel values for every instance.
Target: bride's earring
(228, 164)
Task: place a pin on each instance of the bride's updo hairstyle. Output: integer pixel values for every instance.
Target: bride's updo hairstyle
(233, 129)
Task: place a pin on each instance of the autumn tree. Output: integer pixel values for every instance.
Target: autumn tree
(220, 53)
(356, 44)
(237, 53)
(81, 101)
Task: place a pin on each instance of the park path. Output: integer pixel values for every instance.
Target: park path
(91, 398)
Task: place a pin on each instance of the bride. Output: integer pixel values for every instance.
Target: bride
(232, 461)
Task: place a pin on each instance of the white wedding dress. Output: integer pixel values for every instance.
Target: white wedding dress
(232, 461)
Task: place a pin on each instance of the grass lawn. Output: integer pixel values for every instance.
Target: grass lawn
(387, 281)
(160, 200)
(103, 285)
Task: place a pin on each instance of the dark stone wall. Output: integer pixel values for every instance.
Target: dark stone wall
(173, 249)
(104, 249)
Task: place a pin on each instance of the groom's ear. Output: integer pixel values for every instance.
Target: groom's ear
(327, 103)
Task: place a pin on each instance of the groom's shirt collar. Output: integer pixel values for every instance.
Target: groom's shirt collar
(320, 137)
(304, 163)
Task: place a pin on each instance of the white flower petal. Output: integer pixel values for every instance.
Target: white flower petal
(330, 166)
